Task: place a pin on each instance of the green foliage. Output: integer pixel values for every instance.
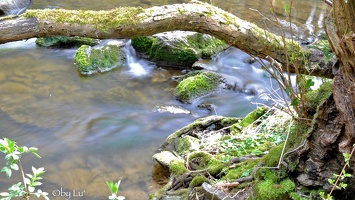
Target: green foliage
(27, 187)
(114, 186)
(256, 145)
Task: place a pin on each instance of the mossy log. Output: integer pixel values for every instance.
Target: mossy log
(129, 22)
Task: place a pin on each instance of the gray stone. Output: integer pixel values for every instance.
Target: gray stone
(164, 158)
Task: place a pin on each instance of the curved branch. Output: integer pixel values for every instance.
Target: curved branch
(133, 22)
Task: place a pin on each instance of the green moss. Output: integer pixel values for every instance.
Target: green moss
(179, 52)
(206, 46)
(316, 97)
(143, 44)
(216, 166)
(267, 145)
(102, 20)
(272, 158)
(90, 60)
(242, 169)
(186, 143)
(177, 168)
(269, 190)
(199, 160)
(252, 116)
(196, 86)
(64, 41)
(198, 180)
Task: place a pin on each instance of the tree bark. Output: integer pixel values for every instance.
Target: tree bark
(134, 22)
(333, 131)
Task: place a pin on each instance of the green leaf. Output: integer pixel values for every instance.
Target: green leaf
(309, 83)
(288, 91)
(294, 102)
(287, 8)
(4, 194)
(37, 183)
(7, 171)
(14, 166)
(27, 181)
(31, 188)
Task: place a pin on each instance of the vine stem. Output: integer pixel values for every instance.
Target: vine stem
(341, 173)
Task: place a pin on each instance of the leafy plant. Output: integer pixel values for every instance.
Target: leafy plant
(337, 180)
(27, 187)
(114, 186)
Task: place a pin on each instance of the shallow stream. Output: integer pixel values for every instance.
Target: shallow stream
(106, 127)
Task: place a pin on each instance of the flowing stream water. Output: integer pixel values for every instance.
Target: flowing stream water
(106, 127)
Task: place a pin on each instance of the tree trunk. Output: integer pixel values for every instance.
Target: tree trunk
(333, 131)
(133, 22)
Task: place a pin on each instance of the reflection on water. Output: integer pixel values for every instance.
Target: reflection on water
(104, 127)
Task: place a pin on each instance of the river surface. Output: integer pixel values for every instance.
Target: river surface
(106, 127)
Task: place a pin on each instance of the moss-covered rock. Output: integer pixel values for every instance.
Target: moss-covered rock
(216, 166)
(177, 168)
(198, 180)
(178, 48)
(187, 144)
(195, 85)
(96, 60)
(199, 160)
(251, 117)
(64, 41)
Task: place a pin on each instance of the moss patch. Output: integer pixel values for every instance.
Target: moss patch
(186, 143)
(64, 41)
(242, 169)
(199, 160)
(269, 190)
(198, 180)
(316, 97)
(90, 60)
(178, 52)
(251, 117)
(102, 20)
(196, 86)
(177, 168)
(216, 166)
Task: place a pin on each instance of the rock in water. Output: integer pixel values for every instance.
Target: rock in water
(13, 7)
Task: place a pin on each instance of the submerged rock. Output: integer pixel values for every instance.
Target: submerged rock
(178, 48)
(64, 41)
(91, 60)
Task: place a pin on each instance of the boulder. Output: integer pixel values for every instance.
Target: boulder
(197, 84)
(91, 60)
(178, 48)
